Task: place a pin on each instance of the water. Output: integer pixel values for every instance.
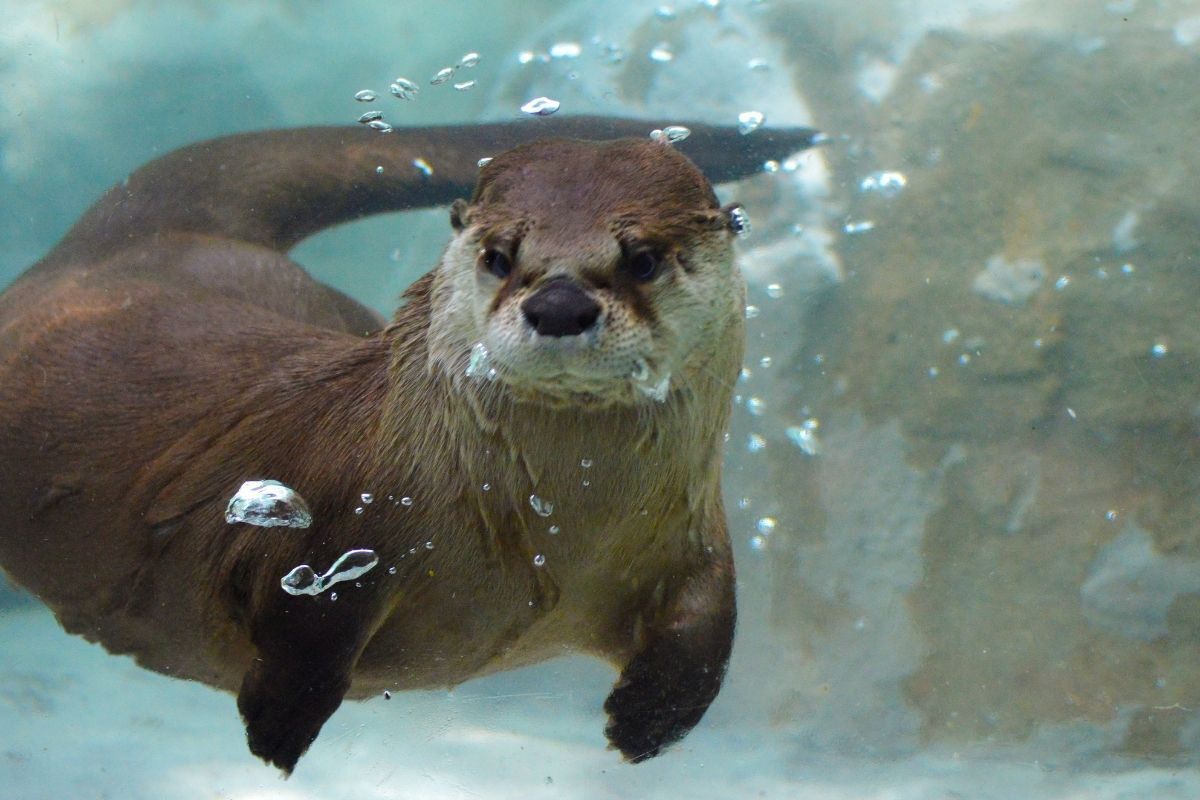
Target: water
(964, 590)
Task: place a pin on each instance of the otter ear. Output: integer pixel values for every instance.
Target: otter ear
(459, 216)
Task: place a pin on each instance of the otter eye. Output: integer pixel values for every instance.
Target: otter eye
(496, 263)
(643, 265)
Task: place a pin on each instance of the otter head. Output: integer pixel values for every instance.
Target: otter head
(588, 273)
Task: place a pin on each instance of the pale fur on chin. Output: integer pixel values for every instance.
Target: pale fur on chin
(602, 368)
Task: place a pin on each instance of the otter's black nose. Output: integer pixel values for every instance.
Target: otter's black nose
(561, 308)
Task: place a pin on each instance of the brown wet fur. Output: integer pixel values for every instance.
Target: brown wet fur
(168, 350)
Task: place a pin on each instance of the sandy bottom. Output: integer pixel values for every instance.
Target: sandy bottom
(79, 723)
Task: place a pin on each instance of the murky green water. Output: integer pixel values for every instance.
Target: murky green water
(962, 476)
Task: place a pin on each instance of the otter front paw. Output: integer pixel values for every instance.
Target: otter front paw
(663, 692)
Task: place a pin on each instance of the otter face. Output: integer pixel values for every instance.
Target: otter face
(590, 273)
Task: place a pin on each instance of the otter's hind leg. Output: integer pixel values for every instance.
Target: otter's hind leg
(667, 686)
(307, 650)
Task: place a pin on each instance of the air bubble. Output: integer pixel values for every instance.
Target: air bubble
(483, 162)
(541, 107)
(752, 312)
(756, 406)
(885, 183)
(268, 504)
(765, 525)
(444, 74)
(350, 566)
(1159, 349)
(858, 226)
(586, 463)
(358, 510)
(366, 96)
(379, 125)
(662, 53)
(464, 86)
(750, 121)
(670, 134)
(543, 508)
(757, 65)
(371, 116)
(469, 60)
(774, 291)
(553, 530)
(539, 560)
(406, 502)
(739, 220)
(755, 443)
(479, 362)
(423, 167)
(404, 89)
(565, 50)
(367, 498)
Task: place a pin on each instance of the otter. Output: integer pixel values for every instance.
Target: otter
(529, 451)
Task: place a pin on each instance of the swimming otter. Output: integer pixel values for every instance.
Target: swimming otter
(531, 447)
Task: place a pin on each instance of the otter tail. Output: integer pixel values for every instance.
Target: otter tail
(274, 188)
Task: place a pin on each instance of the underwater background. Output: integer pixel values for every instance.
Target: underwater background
(964, 471)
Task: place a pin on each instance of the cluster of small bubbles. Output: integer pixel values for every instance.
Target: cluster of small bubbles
(774, 291)
(444, 74)
(371, 116)
(885, 183)
(379, 125)
(464, 86)
(543, 508)
(751, 311)
(950, 335)
(1159, 349)
(755, 443)
(858, 226)
(756, 406)
(757, 65)
(804, 436)
(770, 166)
(662, 53)
(406, 501)
(367, 498)
(765, 525)
(365, 96)
(423, 167)
(350, 566)
(553, 530)
(469, 60)
(765, 362)
(268, 504)
(1063, 282)
(670, 134)
(750, 121)
(539, 560)
(483, 162)
(404, 89)
(566, 50)
(739, 220)
(540, 107)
